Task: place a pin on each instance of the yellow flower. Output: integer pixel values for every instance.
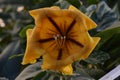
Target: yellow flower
(61, 37)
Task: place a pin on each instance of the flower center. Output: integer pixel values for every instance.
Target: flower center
(60, 40)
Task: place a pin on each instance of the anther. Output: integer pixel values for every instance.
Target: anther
(64, 37)
(61, 37)
(58, 35)
(55, 37)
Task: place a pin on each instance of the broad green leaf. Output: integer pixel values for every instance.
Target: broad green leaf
(22, 33)
(109, 43)
(76, 3)
(46, 3)
(40, 75)
(112, 43)
(106, 35)
(92, 1)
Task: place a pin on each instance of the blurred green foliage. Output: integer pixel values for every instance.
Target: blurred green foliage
(15, 20)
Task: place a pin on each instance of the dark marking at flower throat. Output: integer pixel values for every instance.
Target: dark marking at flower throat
(59, 54)
(46, 40)
(55, 25)
(60, 51)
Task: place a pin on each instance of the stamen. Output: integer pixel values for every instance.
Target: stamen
(55, 37)
(63, 41)
(60, 40)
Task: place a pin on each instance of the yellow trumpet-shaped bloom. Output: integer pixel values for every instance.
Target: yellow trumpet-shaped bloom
(61, 37)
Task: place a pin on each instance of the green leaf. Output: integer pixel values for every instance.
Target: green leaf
(112, 43)
(97, 57)
(109, 43)
(92, 1)
(40, 75)
(46, 3)
(76, 3)
(22, 33)
(106, 35)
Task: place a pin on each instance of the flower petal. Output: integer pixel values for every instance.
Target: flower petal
(37, 13)
(54, 7)
(67, 70)
(87, 21)
(87, 53)
(33, 50)
(48, 64)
